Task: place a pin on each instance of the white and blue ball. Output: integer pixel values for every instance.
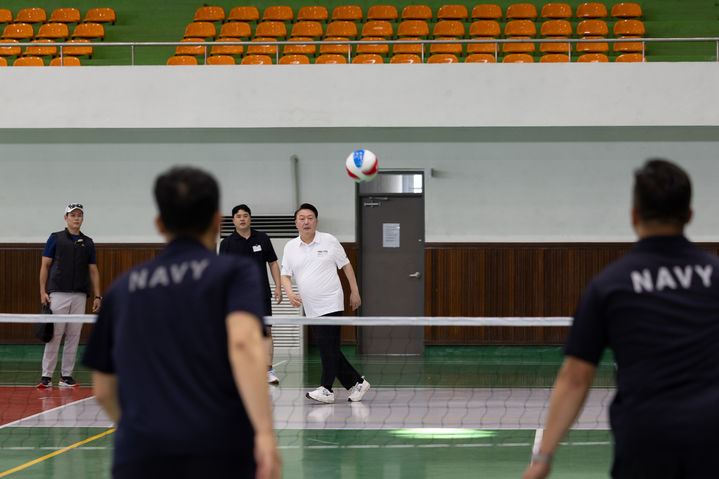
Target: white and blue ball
(362, 165)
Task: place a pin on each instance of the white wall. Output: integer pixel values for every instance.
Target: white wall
(553, 173)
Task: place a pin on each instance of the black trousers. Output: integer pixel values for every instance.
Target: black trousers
(334, 363)
(189, 467)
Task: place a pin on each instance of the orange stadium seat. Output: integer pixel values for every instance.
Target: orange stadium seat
(209, 14)
(190, 49)
(410, 30)
(182, 60)
(335, 48)
(483, 30)
(368, 58)
(443, 58)
(259, 49)
(28, 62)
(3, 62)
(518, 58)
(278, 13)
(447, 30)
(314, 13)
(78, 51)
(383, 12)
(65, 15)
(631, 57)
(31, 15)
(554, 58)
(101, 15)
(556, 10)
(220, 60)
(9, 51)
(271, 29)
(341, 28)
(91, 31)
(193, 30)
(592, 10)
(236, 30)
(18, 31)
(307, 28)
(480, 58)
(629, 28)
(294, 60)
(228, 49)
(330, 59)
(56, 31)
(593, 58)
(65, 61)
(521, 11)
(378, 28)
(5, 15)
(34, 48)
(417, 12)
(555, 29)
(626, 10)
(487, 11)
(370, 48)
(244, 13)
(452, 12)
(405, 58)
(351, 13)
(300, 48)
(519, 29)
(256, 60)
(592, 29)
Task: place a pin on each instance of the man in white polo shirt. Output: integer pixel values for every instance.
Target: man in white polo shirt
(313, 258)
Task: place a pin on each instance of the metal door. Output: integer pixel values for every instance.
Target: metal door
(391, 261)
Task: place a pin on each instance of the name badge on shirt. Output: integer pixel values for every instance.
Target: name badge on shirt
(256, 248)
(322, 252)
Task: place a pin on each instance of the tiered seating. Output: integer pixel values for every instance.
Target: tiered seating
(35, 34)
(518, 21)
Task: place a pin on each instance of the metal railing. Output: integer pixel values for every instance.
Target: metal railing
(350, 43)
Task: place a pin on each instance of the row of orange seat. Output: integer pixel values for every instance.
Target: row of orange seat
(400, 58)
(36, 61)
(59, 15)
(355, 13)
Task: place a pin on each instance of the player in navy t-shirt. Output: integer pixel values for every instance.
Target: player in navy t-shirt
(177, 351)
(657, 308)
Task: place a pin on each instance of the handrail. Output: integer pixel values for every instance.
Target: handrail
(349, 43)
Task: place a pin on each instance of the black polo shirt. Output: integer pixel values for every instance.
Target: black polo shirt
(162, 330)
(258, 247)
(657, 308)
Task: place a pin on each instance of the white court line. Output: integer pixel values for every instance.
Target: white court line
(74, 403)
(280, 363)
(538, 434)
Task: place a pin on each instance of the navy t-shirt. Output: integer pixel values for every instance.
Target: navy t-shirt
(162, 330)
(657, 308)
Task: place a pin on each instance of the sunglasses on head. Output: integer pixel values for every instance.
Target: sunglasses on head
(74, 205)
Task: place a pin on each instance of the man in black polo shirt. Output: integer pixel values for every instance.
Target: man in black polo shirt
(247, 241)
(177, 350)
(657, 308)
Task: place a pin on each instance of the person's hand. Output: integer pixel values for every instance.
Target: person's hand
(536, 470)
(96, 305)
(295, 300)
(267, 457)
(44, 298)
(278, 294)
(355, 301)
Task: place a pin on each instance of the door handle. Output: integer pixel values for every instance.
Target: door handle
(416, 274)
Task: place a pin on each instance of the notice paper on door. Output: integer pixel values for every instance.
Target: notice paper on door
(390, 235)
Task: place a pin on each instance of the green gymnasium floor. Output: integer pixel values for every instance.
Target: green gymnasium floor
(165, 21)
(457, 411)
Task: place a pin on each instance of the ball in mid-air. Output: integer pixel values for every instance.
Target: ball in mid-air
(362, 165)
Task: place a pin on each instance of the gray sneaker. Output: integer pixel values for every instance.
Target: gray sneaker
(358, 391)
(67, 382)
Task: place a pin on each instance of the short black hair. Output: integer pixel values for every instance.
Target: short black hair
(242, 207)
(662, 192)
(307, 206)
(187, 198)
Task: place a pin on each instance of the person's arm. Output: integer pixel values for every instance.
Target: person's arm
(570, 391)
(248, 360)
(275, 271)
(355, 300)
(104, 386)
(95, 281)
(295, 299)
(44, 274)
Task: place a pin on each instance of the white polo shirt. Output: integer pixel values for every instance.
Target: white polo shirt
(314, 267)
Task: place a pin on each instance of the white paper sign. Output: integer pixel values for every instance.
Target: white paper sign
(390, 235)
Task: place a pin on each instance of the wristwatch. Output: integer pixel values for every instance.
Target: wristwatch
(98, 297)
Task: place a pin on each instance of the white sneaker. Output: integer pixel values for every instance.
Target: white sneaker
(321, 394)
(358, 391)
(272, 378)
